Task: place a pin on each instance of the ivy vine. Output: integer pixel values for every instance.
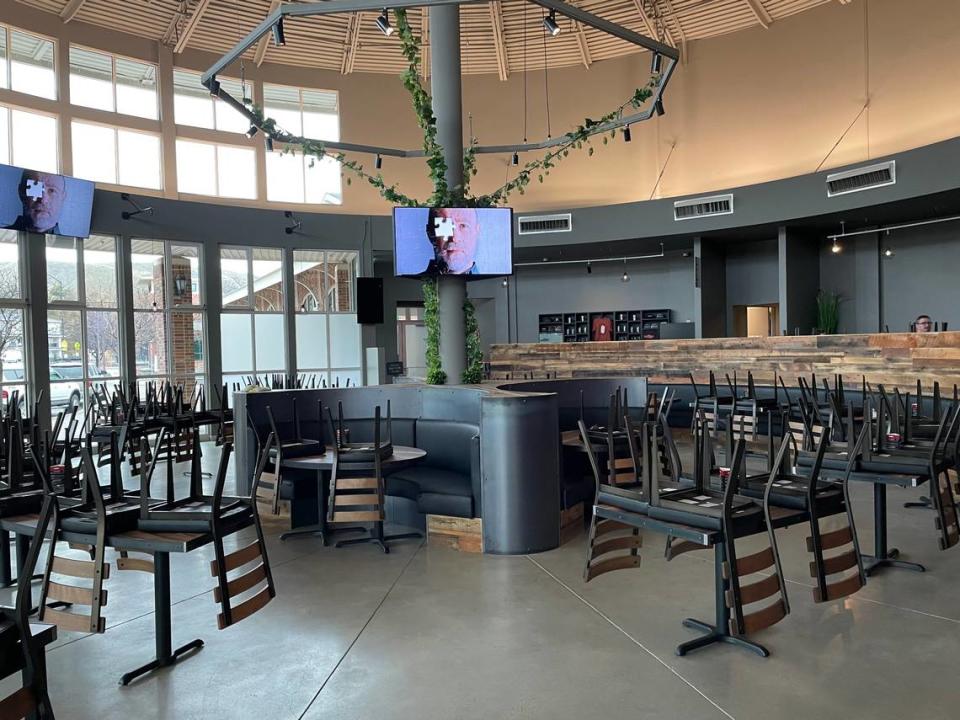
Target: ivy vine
(431, 313)
(444, 195)
(473, 373)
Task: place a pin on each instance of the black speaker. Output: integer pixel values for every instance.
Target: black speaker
(369, 300)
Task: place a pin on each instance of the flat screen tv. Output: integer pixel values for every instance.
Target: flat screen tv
(44, 202)
(473, 242)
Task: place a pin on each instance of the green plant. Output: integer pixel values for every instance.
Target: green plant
(828, 311)
(473, 373)
(431, 312)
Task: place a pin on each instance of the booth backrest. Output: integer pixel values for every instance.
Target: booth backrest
(402, 429)
(449, 445)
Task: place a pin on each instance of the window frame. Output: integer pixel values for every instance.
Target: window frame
(21, 304)
(113, 82)
(8, 31)
(117, 129)
(216, 169)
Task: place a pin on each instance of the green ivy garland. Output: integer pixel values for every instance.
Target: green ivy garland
(431, 312)
(443, 195)
(473, 373)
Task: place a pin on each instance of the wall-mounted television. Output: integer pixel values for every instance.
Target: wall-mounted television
(44, 202)
(473, 242)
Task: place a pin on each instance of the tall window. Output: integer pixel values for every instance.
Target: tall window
(169, 312)
(313, 114)
(193, 105)
(83, 325)
(13, 360)
(219, 170)
(115, 84)
(119, 157)
(251, 323)
(29, 140)
(26, 63)
(328, 337)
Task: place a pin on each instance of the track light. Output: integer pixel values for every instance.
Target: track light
(505, 282)
(836, 248)
(550, 23)
(278, 37)
(252, 131)
(656, 63)
(516, 159)
(268, 143)
(658, 107)
(383, 22)
(214, 87)
(589, 268)
(888, 252)
(626, 134)
(379, 162)
(625, 277)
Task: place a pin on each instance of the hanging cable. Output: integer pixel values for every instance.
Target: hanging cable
(525, 74)
(546, 79)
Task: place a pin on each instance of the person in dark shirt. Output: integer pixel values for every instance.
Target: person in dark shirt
(42, 196)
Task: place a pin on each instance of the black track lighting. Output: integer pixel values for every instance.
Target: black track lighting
(889, 252)
(589, 268)
(252, 131)
(626, 134)
(278, 37)
(268, 143)
(379, 162)
(658, 107)
(516, 159)
(383, 22)
(214, 87)
(505, 283)
(550, 23)
(656, 63)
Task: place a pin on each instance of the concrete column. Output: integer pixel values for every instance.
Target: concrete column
(448, 108)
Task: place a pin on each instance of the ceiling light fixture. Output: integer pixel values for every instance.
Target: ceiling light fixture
(626, 134)
(589, 268)
(252, 131)
(268, 143)
(889, 252)
(626, 277)
(214, 86)
(383, 22)
(550, 24)
(278, 37)
(516, 159)
(505, 283)
(656, 63)
(379, 162)
(836, 248)
(658, 107)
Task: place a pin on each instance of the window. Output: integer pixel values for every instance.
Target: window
(29, 140)
(13, 365)
(220, 170)
(193, 105)
(112, 155)
(328, 337)
(105, 82)
(252, 319)
(83, 323)
(26, 63)
(169, 312)
(313, 114)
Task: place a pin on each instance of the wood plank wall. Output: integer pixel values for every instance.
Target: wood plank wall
(893, 359)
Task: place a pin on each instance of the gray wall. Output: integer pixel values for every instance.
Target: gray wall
(710, 292)
(854, 274)
(799, 262)
(752, 275)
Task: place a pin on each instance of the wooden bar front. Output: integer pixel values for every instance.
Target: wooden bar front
(893, 359)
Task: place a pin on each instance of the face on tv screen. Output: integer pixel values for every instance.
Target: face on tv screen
(44, 202)
(453, 241)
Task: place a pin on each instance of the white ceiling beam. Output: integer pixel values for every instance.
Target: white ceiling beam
(676, 21)
(585, 56)
(261, 52)
(651, 28)
(760, 12)
(192, 24)
(351, 44)
(71, 9)
(496, 21)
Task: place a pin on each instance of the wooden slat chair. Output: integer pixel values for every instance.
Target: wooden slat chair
(267, 477)
(223, 514)
(738, 596)
(847, 563)
(621, 466)
(225, 431)
(31, 699)
(607, 536)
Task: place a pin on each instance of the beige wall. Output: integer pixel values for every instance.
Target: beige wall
(744, 108)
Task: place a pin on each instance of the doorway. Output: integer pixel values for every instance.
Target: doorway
(412, 341)
(756, 320)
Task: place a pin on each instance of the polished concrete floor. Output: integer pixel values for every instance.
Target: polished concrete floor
(429, 633)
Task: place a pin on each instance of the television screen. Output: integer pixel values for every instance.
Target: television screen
(44, 202)
(453, 241)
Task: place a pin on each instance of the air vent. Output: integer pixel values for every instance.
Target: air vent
(703, 207)
(539, 224)
(865, 178)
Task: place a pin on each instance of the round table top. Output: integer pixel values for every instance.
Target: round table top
(402, 456)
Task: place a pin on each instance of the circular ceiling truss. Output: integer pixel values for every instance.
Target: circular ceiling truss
(665, 59)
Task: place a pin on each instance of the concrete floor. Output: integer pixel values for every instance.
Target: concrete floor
(427, 632)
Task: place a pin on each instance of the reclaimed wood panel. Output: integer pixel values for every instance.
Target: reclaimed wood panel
(892, 359)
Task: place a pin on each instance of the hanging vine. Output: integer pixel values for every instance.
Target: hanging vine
(473, 373)
(444, 195)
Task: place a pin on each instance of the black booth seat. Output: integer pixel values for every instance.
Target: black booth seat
(447, 480)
